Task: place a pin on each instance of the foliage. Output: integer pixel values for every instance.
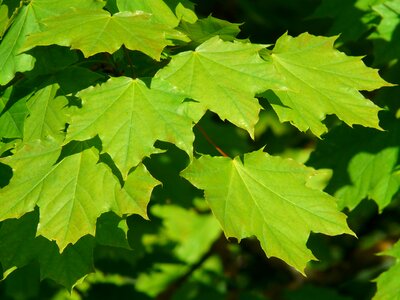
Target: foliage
(137, 136)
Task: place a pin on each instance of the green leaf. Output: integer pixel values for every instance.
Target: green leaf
(129, 118)
(388, 284)
(267, 197)
(364, 163)
(26, 22)
(102, 32)
(47, 116)
(158, 8)
(12, 116)
(224, 77)
(72, 193)
(316, 80)
(209, 27)
(350, 19)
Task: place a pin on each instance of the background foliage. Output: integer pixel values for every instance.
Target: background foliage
(182, 252)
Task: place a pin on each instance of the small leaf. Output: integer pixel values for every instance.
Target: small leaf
(267, 197)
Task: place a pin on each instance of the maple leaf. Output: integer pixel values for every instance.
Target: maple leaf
(224, 77)
(72, 193)
(102, 32)
(129, 118)
(316, 80)
(267, 197)
(26, 22)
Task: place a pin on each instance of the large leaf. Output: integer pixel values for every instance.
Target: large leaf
(267, 197)
(26, 22)
(224, 77)
(364, 161)
(71, 194)
(316, 80)
(129, 118)
(102, 32)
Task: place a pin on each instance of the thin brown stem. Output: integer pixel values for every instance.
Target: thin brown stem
(202, 131)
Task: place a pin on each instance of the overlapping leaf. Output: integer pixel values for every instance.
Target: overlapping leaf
(12, 115)
(47, 115)
(224, 77)
(316, 80)
(129, 118)
(102, 32)
(26, 22)
(267, 197)
(72, 193)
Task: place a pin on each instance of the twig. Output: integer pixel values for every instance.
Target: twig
(211, 141)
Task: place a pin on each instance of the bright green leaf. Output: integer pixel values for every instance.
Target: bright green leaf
(267, 197)
(224, 77)
(47, 115)
(129, 118)
(102, 32)
(71, 194)
(26, 22)
(316, 80)
(12, 118)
